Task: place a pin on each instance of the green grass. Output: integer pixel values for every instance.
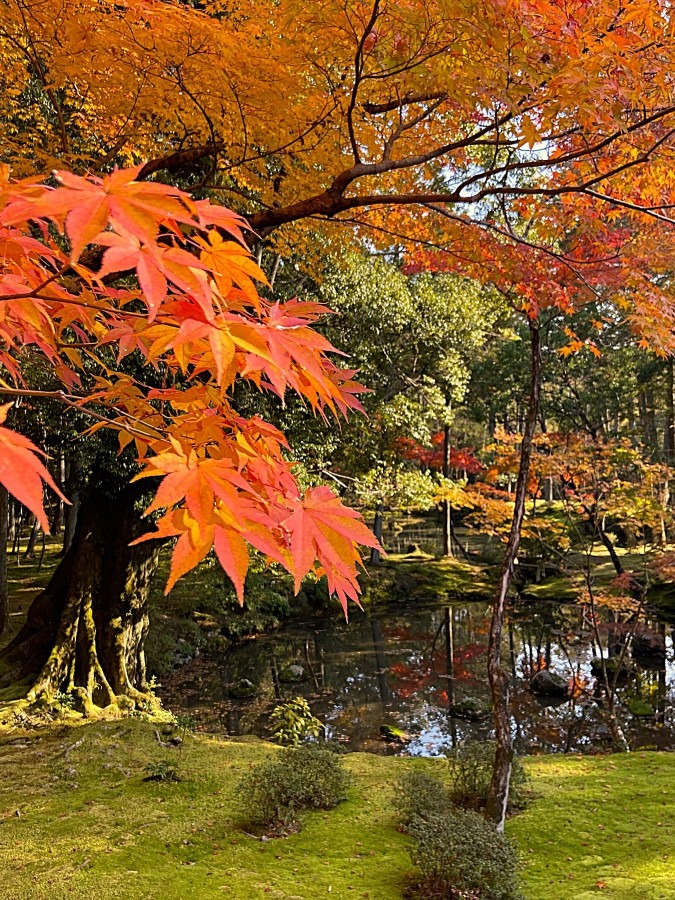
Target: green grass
(89, 826)
(569, 586)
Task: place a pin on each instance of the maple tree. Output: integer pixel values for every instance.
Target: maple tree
(417, 120)
(525, 142)
(225, 481)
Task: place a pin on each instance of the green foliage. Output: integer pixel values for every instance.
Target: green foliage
(293, 722)
(471, 771)
(164, 771)
(396, 487)
(420, 795)
(65, 699)
(411, 338)
(460, 856)
(186, 723)
(274, 792)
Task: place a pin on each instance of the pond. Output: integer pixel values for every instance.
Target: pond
(421, 669)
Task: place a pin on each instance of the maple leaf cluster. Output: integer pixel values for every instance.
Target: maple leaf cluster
(150, 271)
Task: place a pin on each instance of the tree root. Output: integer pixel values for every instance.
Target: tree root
(30, 714)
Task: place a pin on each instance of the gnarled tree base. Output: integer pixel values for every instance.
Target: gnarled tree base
(81, 647)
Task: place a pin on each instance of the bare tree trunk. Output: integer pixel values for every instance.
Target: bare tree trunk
(375, 554)
(669, 431)
(447, 508)
(4, 590)
(647, 416)
(59, 474)
(32, 540)
(498, 797)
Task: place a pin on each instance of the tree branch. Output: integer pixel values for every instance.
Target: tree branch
(178, 160)
(376, 109)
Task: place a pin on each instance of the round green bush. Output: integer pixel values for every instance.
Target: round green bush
(460, 856)
(298, 778)
(471, 772)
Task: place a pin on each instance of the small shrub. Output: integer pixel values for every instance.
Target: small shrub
(65, 699)
(420, 795)
(161, 771)
(461, 856)
(310, 777)
(293, 722)
(471, 772)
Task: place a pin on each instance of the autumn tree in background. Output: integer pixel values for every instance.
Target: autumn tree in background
(526, 143)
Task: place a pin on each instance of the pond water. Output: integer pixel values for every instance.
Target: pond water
(422, 669)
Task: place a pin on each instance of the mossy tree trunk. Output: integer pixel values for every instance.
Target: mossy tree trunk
(85, 633)
(375, 555)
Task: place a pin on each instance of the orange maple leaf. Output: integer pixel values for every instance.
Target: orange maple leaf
(21, 471)
(322, 527)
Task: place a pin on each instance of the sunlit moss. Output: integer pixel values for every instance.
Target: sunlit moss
(89, 826)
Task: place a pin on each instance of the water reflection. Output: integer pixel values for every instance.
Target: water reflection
(423, 670)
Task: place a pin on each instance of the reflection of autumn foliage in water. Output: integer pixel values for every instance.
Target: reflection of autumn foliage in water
(409, 678)
(395, 670)
(464, 660)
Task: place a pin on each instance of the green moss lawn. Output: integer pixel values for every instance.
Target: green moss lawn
(78, 821)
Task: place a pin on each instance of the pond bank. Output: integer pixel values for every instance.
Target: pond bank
(202, 615)
(77, 820)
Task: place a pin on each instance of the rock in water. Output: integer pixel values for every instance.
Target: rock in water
(549, 684)
(242, 689)
(292, 674)
(470, 709)
(649, 650)
(614, 669)
(394, 735)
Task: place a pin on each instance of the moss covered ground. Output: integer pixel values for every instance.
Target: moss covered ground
(599, 826)
(420, 576)
(77, 820)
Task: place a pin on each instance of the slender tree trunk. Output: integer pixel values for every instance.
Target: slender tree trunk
(447, 508)
(669, 431)
(59, 476)
(647, 416)
(85, 632)
(492, 422)
(4, 589)
(499, 788)
(32, 539)
(377, 531)
(450, 670)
